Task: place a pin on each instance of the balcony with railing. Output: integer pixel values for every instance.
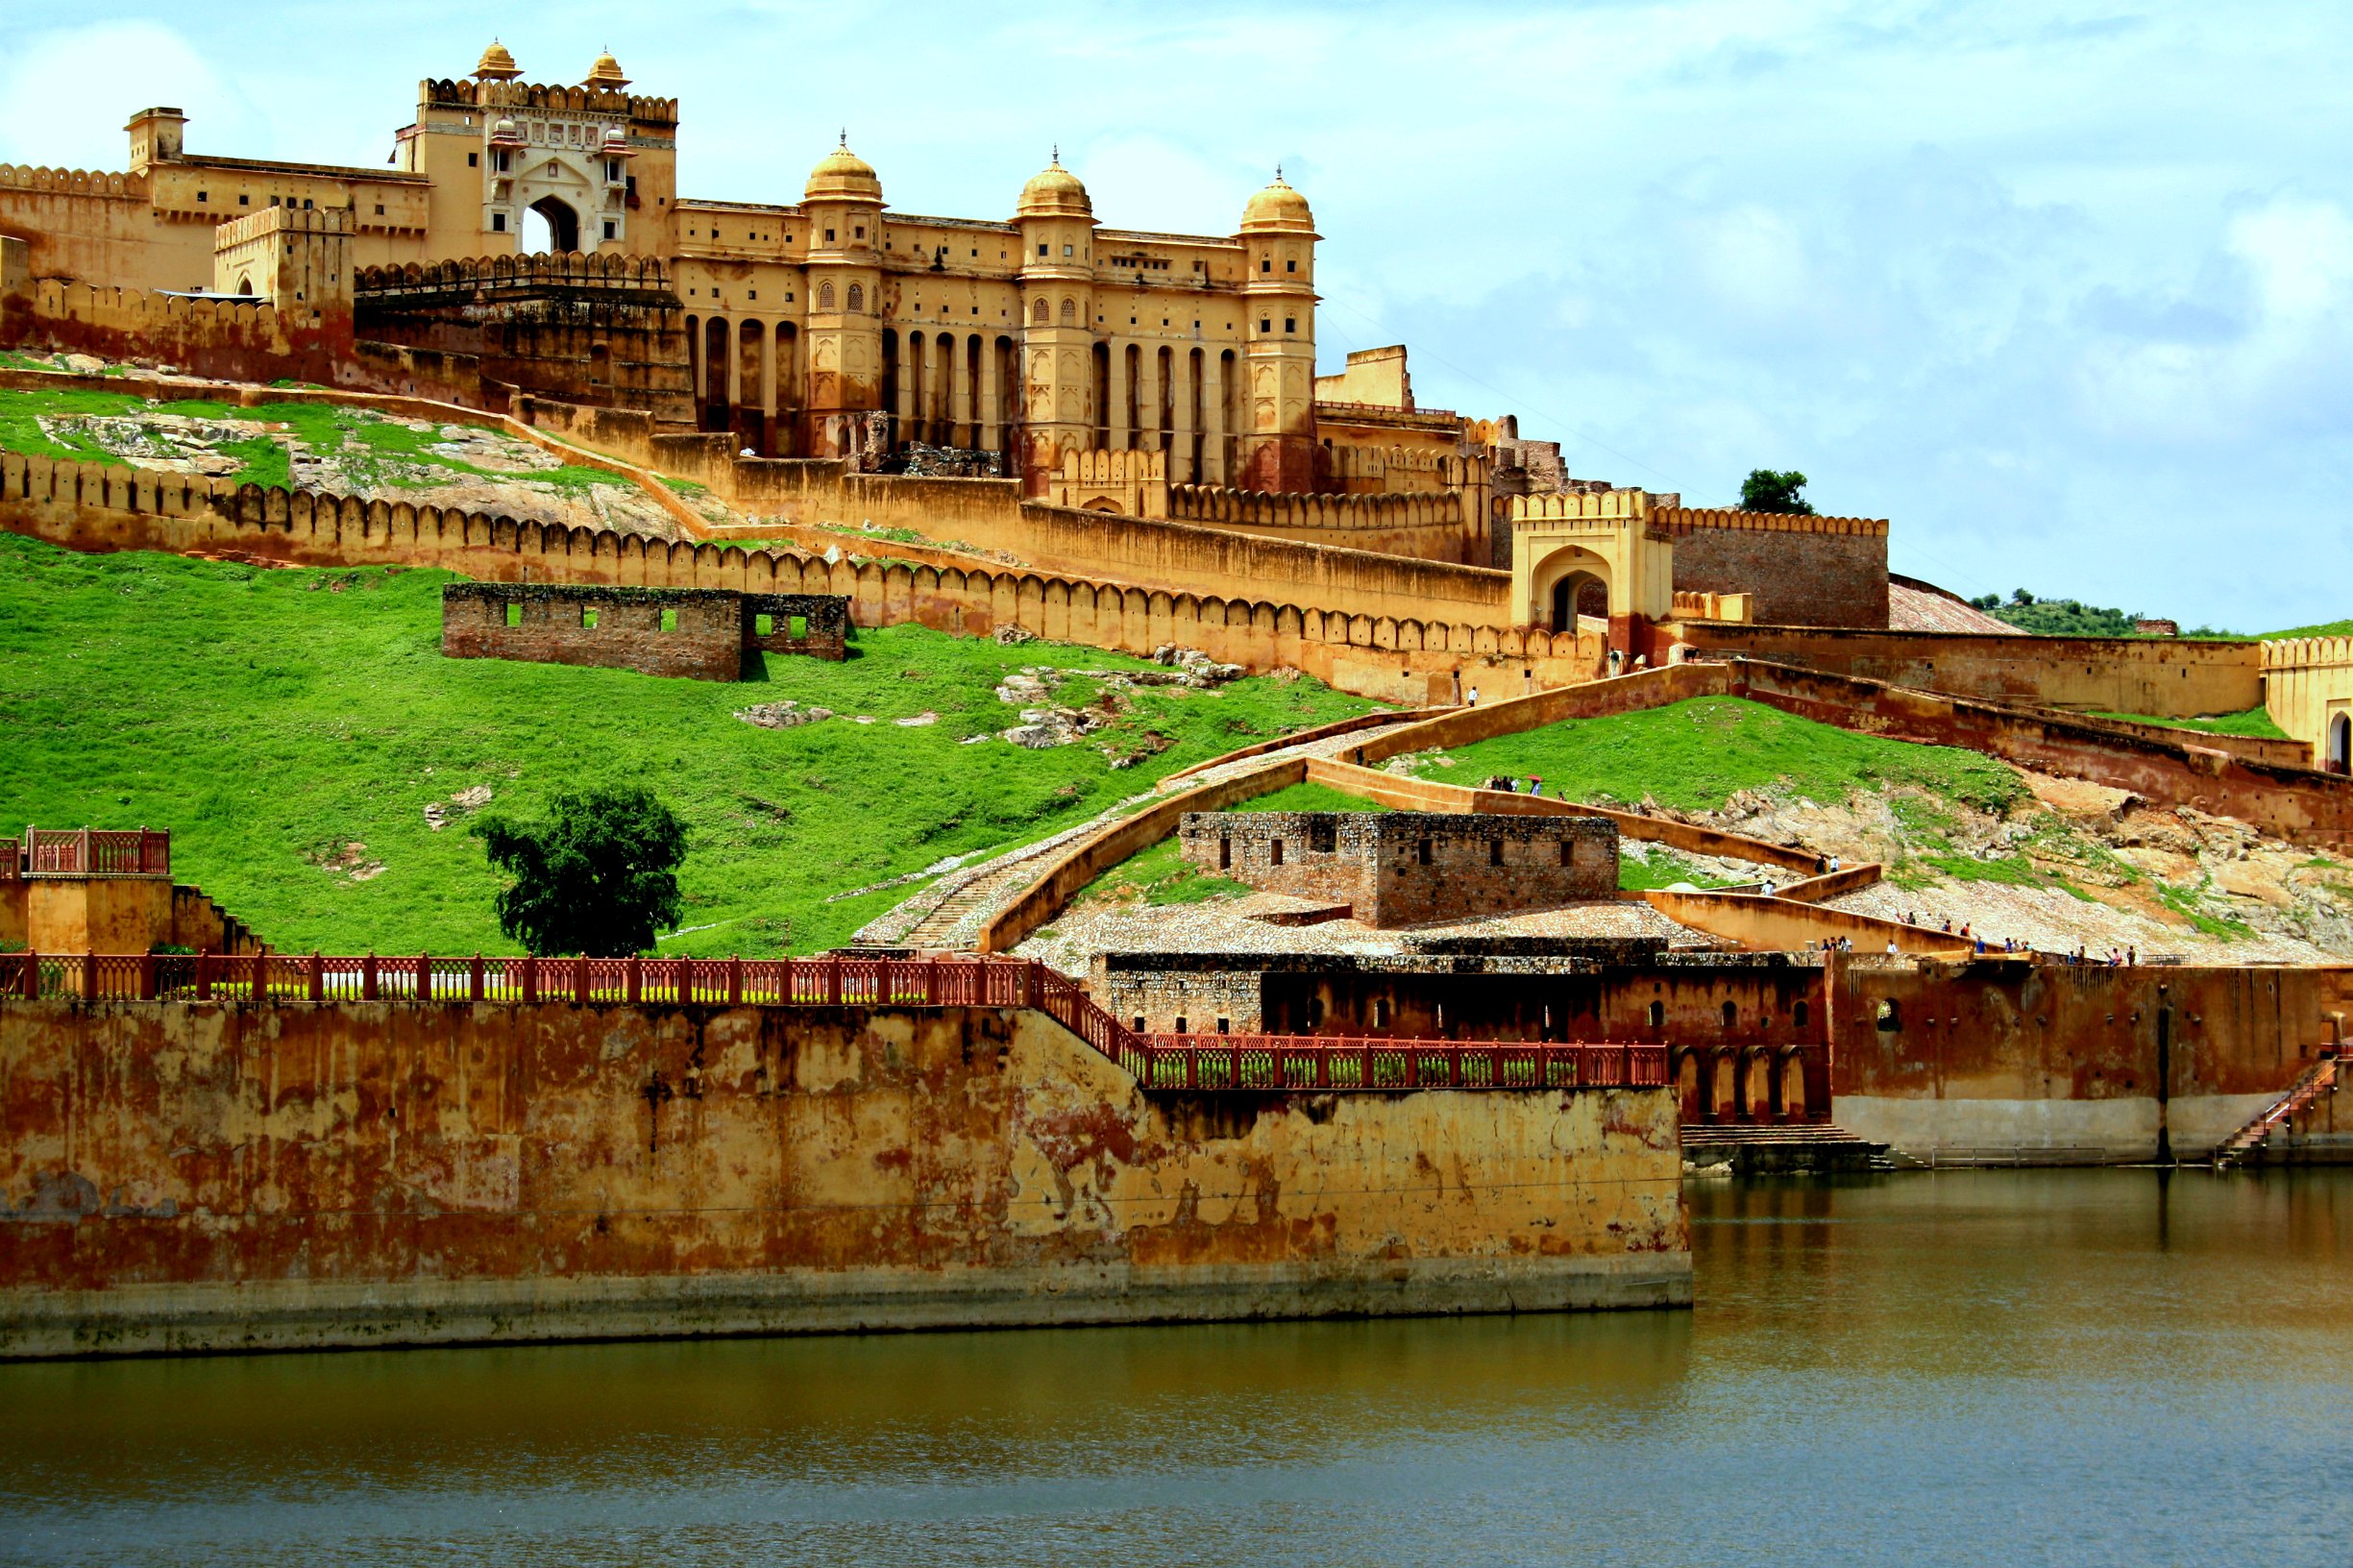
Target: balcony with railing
(85, 853)
(1248, 1063)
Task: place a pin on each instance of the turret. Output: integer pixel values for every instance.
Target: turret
(1057, 224)
(843, 201)
(154, 136)
(1278, 237)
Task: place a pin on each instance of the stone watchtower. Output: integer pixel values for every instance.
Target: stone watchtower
(842, 201)
(1278, 236)
(1057, 224)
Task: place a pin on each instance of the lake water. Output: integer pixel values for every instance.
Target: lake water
(1964, 1367)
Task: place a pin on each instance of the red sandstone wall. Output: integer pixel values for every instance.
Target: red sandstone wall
(1795, 579)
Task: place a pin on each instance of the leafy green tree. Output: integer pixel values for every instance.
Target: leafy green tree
(1768, 490)
(595, 876)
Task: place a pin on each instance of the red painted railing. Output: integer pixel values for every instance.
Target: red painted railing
(87, 851)
(1166, 1062)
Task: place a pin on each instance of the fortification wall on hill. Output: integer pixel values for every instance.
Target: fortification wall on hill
(231, 339)
(1431, 527)
(84, 223)
(2307, 684)
(278, 1175)
(1403, 659)
(1798, 571)
(2160, 676)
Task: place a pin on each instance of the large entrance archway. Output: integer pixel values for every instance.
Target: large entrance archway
(1579, 593)
(2338, 754)
(551, 224)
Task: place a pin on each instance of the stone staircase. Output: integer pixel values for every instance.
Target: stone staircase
(1809, 1146)
(2316, 1080)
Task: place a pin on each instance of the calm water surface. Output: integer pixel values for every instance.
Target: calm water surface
(2062, 1367)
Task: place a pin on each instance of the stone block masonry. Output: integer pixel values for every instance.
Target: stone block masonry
(697, 632)
(1404, 868)
(232, 1175)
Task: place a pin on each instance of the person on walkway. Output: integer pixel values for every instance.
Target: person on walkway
(1767, 890)
(1474, 696)
(1833, 864)
(1616, 658)
(2132, 957)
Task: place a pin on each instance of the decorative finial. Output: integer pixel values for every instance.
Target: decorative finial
(845, 135)
(1278, 174)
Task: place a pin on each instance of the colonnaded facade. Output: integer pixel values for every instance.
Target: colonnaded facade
(813, 328)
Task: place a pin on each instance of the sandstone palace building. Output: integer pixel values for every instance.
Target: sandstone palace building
(1140, 409)
(812, 327)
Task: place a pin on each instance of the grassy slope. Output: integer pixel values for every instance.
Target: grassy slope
(2255, 721)
(268, 716)
(1694, 755)
(362, 439)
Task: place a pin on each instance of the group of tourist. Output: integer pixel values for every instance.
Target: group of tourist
(1981, 944)
(1507, 784)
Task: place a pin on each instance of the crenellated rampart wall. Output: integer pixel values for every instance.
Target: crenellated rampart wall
(1407, 659)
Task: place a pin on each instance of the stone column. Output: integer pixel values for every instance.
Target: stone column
(1114, 396)
(1147, 398)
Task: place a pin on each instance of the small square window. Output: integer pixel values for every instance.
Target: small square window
(828, 237)
(474, 160)
(861, 231)
(1495, 851)
(380, 209)
(200, 196)
(1265, 326)
(514, 612)
(1266, 265)
(1290, 324)
(763, 625)
(670, 620)
(1291, 265)
(1066, 249)
(608, 234)
(245, 200)
(497, 223)
(1041, 247)
(799, 626)
(588, 618)
(305, 203)
(611, 231)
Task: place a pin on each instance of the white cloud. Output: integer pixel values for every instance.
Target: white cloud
(69, 91)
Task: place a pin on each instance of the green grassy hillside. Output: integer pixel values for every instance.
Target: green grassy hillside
(274, 718)
(1694, 755)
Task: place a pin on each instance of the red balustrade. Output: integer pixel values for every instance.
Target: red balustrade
(1244, 1063)
(87, 851)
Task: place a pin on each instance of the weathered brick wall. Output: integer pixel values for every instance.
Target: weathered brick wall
(1400, 869)
(233, 1175)
(816, 625)
(621, 628)
(1798, 578)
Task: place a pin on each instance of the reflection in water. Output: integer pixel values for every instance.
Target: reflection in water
(2080, 1366)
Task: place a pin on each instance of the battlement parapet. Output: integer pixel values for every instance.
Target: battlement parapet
(1632, 506)
(282, 220)
(1693, 519)
(2285, 653)
(1294, 509)
(552, 269)
(74, 181)
(496, 95)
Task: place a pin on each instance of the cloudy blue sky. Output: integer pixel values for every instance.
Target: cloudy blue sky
(2065, 289)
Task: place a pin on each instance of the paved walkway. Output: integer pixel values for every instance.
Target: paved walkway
(950, 914)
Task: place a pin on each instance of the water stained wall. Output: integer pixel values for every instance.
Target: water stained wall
(255, 1176)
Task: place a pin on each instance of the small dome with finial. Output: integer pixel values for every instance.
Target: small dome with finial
(605, 73)
(841, 175)
(1054, 192)
(497, 65)
(1277, 207)
(504, 133)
